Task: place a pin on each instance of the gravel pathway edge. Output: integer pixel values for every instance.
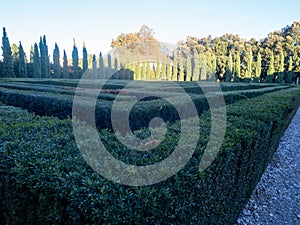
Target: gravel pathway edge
(276, 198)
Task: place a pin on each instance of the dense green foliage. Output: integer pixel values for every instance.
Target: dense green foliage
(37, 73)
(85, 59)
(44, 57)
(56, 62)
(7, 67)
(75, 61)
(44, 179)
(22, 62)
(275, 58)
(58, 101)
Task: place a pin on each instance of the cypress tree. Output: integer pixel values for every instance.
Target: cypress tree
(143, 71)
(169, 70)
(65, 73)
(94, 63)
(188, 69)
(290, 72)
(101, 66)
(213, 64)
(47, 61)
(116, 65)
(196, 70)
(75, 60)
(84, 59)
(175, 68)
(56, 62)
(271, 70)
(44, 57)
(148, 71)
(163, 71)
(203, 68)
(36, 62)
(237, 70)
(249, 56)
(15, 53)
(15, 56)
(22, 62)
(281, 62)
(8, 66)
(109, 66)
(158, 70)
(229, 68)
(279, 78)
(31, 54)
(181, 67)
(258, 66)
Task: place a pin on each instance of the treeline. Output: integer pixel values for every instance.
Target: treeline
(231, 58)
(16, 64)
(228, 58)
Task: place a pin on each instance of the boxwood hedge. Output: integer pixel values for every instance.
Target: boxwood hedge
(44, 179)
(60, 104)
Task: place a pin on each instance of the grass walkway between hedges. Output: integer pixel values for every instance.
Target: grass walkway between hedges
(276, 198)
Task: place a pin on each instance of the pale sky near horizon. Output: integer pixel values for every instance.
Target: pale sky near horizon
(98, 22)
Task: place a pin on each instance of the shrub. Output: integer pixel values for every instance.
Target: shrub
(44, 179)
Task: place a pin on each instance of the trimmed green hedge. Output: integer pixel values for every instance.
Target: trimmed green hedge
(44, 179)
(60, 105)
(61, 85)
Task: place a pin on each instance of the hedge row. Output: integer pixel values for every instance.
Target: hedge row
(189, 87)
(44, 179)
(53, 104)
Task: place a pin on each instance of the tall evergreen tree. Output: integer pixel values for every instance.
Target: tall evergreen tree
(56, 62)
(181, 67)
(196, 66)
(44, 57)
(31, 54)
(137, 71)
(175, 68)
(290, 72)
(15, 53)
(158, 70)
(22, 62)
(203, 68)
(148, 71)
(109, 66)
(169, 70)
(213, 64)
(84, 59)
(36, 62)
(280, 74)
(188, 69)
(101, 66)
(75, 60)
(248, 59)
(271, 70)
(229, 68)
(116, 65)
(258, 66)
(281, 62)
(163, 70)
(237, 69)
(94, 63)
(15, 56)
(143, 71)
(8, 66)
(65, 72)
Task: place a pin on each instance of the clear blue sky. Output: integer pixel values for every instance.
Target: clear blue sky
(96, 22)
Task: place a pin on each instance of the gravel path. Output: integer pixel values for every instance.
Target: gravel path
(276, 198)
